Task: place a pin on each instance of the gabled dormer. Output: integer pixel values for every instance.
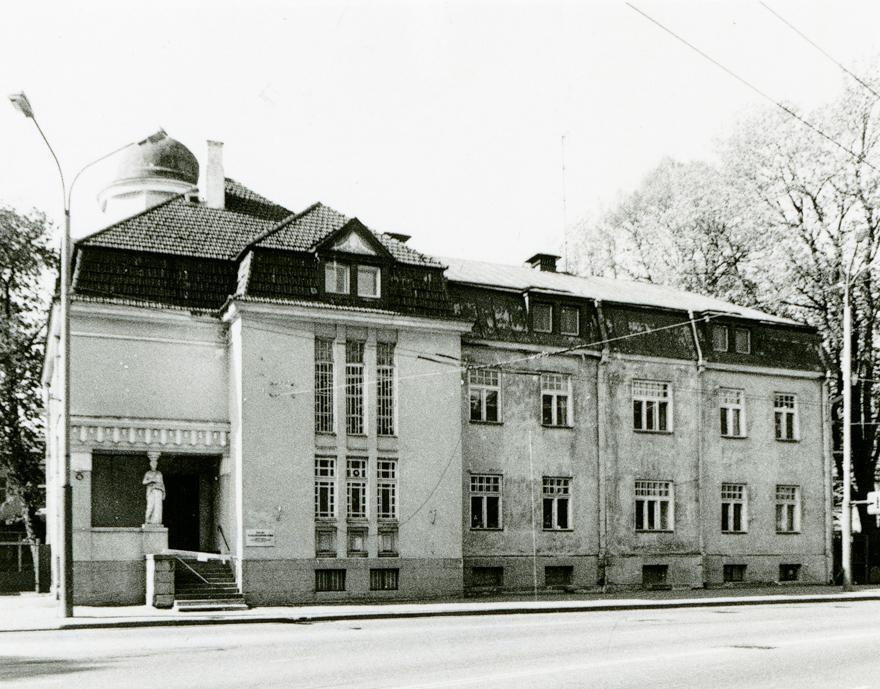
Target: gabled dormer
(353, 262)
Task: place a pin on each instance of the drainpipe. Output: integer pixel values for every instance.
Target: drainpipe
(825, 425)
(701, 365)
(602, 441)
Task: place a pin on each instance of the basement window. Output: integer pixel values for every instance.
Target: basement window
(329, 580)
(384, 579)
(556, 576)
(654, 575)
(734, 574)
(487, 577)
(789, 572)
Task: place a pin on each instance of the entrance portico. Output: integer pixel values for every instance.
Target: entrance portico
(109, 458)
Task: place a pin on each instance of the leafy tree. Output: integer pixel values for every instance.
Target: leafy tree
(26, 261)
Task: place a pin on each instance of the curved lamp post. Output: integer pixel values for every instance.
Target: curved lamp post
(65, 573)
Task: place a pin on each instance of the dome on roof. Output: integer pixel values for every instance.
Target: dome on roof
(158, 156)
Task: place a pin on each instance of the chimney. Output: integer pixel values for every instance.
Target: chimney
(545, 262)
(215, 181)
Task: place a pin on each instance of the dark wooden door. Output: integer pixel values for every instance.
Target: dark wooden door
(181, 511)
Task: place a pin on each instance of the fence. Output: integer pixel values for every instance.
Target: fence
(19, 570)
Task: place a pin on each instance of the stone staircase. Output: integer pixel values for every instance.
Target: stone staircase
(205, 586)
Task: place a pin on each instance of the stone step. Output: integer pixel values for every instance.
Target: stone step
(211, 605)
(207, 589)
(208, 595)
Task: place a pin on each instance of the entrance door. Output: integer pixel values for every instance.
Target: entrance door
(181, 511)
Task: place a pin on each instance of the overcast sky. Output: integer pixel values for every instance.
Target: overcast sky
(442, 120)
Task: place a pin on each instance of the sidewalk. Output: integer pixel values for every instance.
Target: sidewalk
(38, 612)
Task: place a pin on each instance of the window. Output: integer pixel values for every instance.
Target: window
(651, 406)
(733, 508)
(556, 576)
(324, 415)
(357, 542)
(789, 572)
(325, 542)
(487, 577)
(484, 388)
(336, 278)
(117, 492)
(368, 282)
(354, 388)
(788, 509)
(384, 579)
(734, 574)
(557, 503)
(542, 318)
(385, 388)
(325, 488)
(743, 341)
(785, 416)
(386, 489)
(356, 488)
(556, 399)
(388, 541)
(731, 404)
(329, 580)
(569, 320)
(654, 506)
(719, 338)
(485, 501)
(654, 575)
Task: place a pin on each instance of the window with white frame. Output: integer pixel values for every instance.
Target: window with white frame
(337, 277)
(788, 509)
(652, 408)
(356, 488)
(734, 518)
(731, 404)
(484, 390)
(542, 318)
(368, 282)
(654, 505)
(556, 503)
(785, 416)
(719, 338)
(385, 388)
(325, 487)
(354, 387)
(386, 489)
(569, 320)
(485, 501)
(743, 341)
(324, 398)
(556, 406)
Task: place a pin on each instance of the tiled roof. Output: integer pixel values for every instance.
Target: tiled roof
(182, 228)
(605, 289)
(306, 230)
(243, 200)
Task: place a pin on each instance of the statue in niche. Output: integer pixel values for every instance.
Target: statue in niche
(155, 493)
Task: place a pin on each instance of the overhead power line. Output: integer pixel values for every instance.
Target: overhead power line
(763, 94)
(819, 48)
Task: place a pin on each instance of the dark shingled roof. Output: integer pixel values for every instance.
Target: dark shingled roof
(183, 228)
(306, 230)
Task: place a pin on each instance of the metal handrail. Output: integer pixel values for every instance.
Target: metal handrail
(223, 536)
(193, 571)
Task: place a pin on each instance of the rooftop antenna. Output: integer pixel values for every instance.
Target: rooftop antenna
(564, 215)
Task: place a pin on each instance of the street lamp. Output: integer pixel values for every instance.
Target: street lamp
(21, 103)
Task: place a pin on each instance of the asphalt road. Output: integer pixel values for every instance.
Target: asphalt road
(808, 645)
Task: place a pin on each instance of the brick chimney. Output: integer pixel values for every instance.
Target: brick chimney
(215, 181)
(545, 262)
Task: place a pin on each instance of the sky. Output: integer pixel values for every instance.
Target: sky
(441, 120)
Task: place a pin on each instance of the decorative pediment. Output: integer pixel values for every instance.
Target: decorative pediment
(354, 238)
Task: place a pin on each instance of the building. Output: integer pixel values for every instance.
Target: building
(336, 415)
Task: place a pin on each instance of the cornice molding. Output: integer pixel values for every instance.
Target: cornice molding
(149, 434)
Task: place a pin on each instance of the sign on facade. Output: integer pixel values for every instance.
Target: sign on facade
(259, 538)
(874, 502)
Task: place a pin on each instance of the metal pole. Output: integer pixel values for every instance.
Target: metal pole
(846, 509)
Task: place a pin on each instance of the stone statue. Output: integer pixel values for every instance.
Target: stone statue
(155, 492)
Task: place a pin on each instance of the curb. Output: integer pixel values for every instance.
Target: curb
(476, 612)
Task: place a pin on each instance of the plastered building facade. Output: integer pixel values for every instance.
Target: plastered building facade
(338, 416)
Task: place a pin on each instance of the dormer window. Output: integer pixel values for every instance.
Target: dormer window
(368, 282)
(336, 278)
(542, 318)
